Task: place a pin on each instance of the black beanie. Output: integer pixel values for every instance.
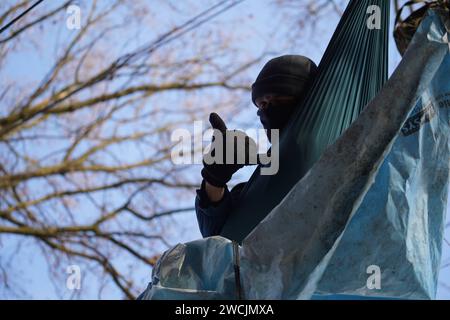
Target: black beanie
(286, 75)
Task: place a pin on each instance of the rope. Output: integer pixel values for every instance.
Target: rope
(237, 274)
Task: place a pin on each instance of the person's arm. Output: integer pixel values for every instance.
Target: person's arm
(211, 216)
(215, 194)
(213, 202)
(212, 205)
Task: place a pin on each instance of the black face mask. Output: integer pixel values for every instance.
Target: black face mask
(273, 117)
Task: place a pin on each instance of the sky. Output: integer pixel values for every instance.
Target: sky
(33, 267)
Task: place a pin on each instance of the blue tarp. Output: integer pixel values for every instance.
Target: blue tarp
(366, 221)
(399, 225)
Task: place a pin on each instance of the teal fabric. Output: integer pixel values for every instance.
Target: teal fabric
(351, 73)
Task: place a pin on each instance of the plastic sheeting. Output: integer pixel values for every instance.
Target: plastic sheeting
(399, 225)
(197, 270)
(376, 198)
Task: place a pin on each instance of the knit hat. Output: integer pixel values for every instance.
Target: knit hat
(286, 75)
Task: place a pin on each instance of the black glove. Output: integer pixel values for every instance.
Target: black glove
(220, 172)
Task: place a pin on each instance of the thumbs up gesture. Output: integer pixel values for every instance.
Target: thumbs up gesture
(230, 151)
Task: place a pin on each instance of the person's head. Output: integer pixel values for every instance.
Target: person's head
(279, 88)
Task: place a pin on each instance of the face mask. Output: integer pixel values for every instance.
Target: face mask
(273, 117)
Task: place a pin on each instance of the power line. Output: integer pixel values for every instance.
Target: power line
(20, 16)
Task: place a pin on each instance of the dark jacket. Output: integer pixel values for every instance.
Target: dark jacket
(247, 204)
(211, 216)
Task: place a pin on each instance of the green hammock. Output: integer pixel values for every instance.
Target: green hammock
(351, 73)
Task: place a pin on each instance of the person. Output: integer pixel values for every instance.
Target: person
(278, 89)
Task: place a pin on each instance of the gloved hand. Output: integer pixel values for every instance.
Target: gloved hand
(216, 169)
